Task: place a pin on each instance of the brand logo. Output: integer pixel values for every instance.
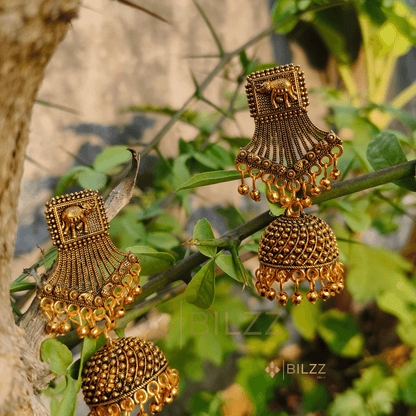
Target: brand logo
(289, 368)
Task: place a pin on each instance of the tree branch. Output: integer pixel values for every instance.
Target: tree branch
(182, 271)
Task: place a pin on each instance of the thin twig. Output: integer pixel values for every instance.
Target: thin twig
(223, 61)
(146, 306)
(217, 125)
(211, 29)
(143, 9)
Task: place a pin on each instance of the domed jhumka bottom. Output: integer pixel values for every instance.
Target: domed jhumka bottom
(298, 248)
(126, 373)
(295, 160)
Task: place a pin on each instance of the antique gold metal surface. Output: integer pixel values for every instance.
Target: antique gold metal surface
(298, 248)
(294, 159)
(92, 280)
(287, 151)
(125, 373)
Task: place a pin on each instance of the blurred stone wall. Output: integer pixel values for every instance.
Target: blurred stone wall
(113, 57)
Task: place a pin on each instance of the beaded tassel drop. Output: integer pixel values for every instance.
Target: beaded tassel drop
(293, 158)
(93, 279)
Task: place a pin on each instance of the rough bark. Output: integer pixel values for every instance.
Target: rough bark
(30, 31)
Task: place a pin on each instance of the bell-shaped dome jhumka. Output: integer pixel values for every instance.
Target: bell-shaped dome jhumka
(126, 373)
(298, 248)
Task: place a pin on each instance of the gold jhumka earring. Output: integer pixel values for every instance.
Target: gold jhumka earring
(91, 282)
(293, 158)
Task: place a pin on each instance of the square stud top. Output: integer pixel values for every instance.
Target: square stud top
(276, 92)
(76, 218)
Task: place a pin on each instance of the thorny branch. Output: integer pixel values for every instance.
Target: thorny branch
(182, 270)
(162, 283)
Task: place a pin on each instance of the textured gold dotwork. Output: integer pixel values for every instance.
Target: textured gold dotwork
(285, 144)
(93, 279)
(127, 373)
(298, 248)
(294, 159)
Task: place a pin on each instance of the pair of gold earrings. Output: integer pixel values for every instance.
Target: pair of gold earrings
(93, 280)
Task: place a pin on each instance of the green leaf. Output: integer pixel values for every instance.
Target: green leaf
(254, 248)
(22, 285)
(126, 231)
(371, 378)
(340, 332)
(150, 211)
(407, 333)
(120, 332)
(267, 347)
(409, 391)
(165, 222)
(285, 11)
(257, 383)
(226, 263)
(220, 155)
(110, 157)
(354, 213)
(211, 351)
(68, 179)
(165, 241)
(233, 266)
(89, 347)
(232, 215)
(203, 231)
(57, 355)
(349, 117)
(383, 397)
(66, 405)
(316, 399)
(399, 301)
(152, 261)
(59, 388)
(91, 179)
(333, 39)
(366, 262)
(180, 171)
(210, 178)
(195, 370)
(381, 402)
(348, 403)
(385, 151)
(209, 162)
(201, 289)
(275, 209)
(305, 319)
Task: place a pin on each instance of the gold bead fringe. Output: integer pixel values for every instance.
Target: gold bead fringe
(93, 279)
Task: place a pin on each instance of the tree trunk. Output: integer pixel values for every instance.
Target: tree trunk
(30, 31)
